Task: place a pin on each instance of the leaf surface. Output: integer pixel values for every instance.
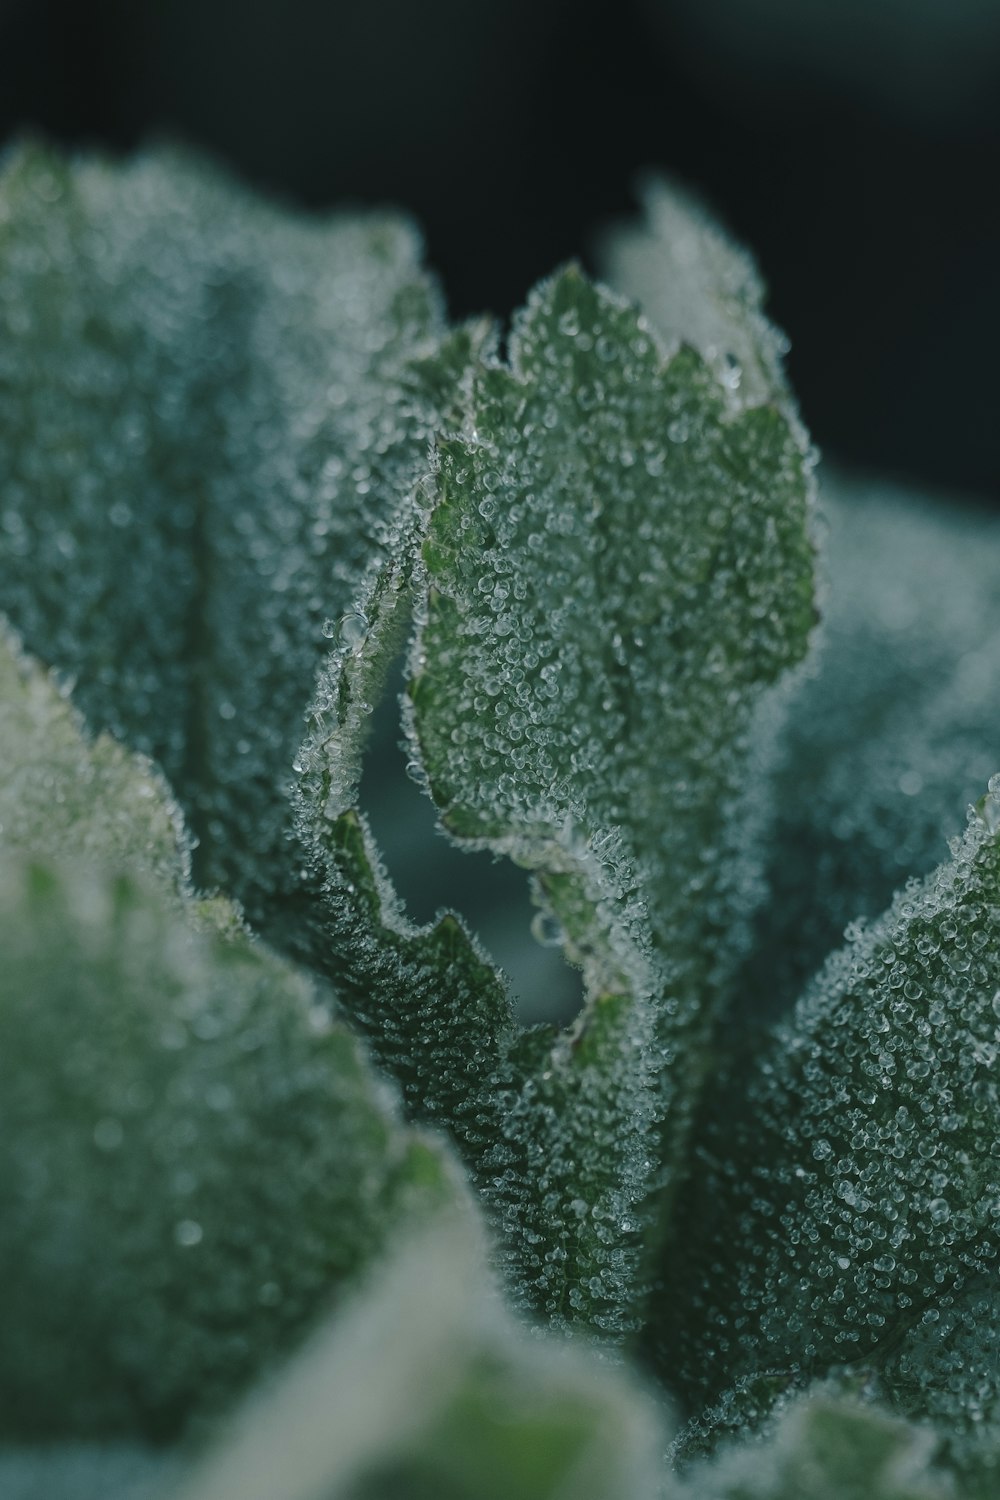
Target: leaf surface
(64, 793)
(209, 411)
(618, 565)
(847, 1181)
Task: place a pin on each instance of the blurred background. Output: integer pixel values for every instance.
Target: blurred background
(854, 145)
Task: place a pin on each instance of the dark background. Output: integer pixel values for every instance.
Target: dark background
(853, 144)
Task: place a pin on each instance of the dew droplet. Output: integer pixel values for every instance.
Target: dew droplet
(352, 630)
(188, 1232)
(108, 1135)
(547, 930)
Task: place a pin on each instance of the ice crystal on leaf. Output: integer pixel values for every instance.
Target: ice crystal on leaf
(584, 709)
(850, 1187)
(245, 467)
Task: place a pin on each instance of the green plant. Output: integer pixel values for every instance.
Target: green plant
(246, 464)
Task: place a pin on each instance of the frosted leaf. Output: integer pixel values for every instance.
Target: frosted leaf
(425, 1386)
(894, 731)
(825, 1447)
(193, 1160)
(209, 412)
(847, 1179)
(62, 793)
(947, 1369)
(432, 1004)
(618, 563)
(699, 287)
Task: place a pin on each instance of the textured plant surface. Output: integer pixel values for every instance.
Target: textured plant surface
(296, 1201)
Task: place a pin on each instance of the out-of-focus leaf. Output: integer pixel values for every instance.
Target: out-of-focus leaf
(698, 287)
(618, 565)
(827, 1448)
(424, 1389)
(893, 732)
(64, 794)
(209, 413)
(193, 1159)
(83, 1471)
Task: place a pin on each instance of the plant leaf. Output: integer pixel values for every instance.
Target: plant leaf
(209, 412)
(848, 1177)
(425, 1387)
(193, 1161)
(62, 794)
(699, 287)
(824, 1446)
(893, 732)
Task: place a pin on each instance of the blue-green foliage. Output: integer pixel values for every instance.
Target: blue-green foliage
(245, 468)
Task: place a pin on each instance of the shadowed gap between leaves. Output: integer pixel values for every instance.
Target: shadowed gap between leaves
(430, 873)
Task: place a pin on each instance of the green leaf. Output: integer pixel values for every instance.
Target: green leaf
(847, 1179)
(825, 1446)
(430, 1000)
(62, 794)
(947, 1369)
(894, 731)
(210, 412)
(618, 566)
(424, 1389)
(193, 1158)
